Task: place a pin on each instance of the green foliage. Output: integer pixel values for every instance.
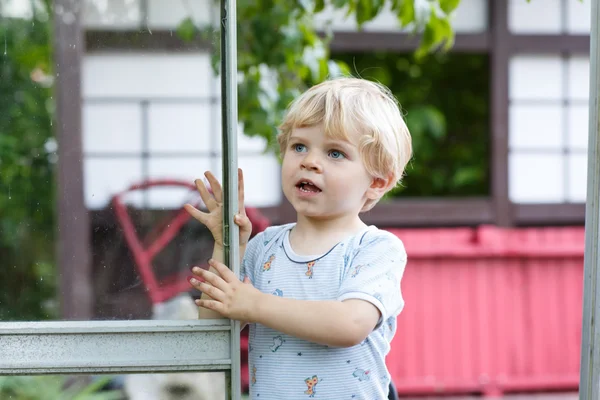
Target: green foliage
(445, 99)
(280, 53)
(54, 388)
(26, 168)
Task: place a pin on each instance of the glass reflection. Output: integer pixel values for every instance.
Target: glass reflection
(168, 386)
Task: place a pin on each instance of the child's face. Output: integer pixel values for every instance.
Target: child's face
(336, 183)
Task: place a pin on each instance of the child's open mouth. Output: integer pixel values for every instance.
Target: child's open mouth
(306, 186)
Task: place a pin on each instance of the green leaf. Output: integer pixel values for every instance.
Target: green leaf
(319, 6)
(449, 5)
(405, 10)
(187, 30)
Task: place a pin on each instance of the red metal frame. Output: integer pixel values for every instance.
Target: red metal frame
(161, 290)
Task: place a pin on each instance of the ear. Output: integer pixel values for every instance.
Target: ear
(379, 186)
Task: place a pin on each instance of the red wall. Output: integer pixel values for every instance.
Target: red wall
(489, 310)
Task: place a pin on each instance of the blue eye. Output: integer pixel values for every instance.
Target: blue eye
(299, 148)
(336, 154)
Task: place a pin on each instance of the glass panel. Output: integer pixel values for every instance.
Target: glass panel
(471, 16)
(174, 127)
(579, 17)
(578, 68)
(126, 75)
(112, 128)
(577, 163)
(578, 115)
(112, 14)
(535, 126)
(535, 17)
(535, 77)
(536, 178)
(159, 386)
(549, 111)
(169, 14)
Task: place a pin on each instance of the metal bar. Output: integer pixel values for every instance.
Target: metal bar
(230, 177)
(589, 382)
(77, 347)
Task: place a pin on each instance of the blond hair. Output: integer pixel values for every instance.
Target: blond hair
(350, 107)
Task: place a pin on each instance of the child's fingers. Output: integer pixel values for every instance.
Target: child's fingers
(241, 191)
(243, 222)
(211, 305)
(209, 201)
(226, 275)
(210, 290)
(197, 214)
(215, 186)
(210, 277)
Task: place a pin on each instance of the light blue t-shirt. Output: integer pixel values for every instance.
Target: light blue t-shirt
(367, 266)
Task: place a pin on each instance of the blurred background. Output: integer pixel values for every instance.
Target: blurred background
(109, 109)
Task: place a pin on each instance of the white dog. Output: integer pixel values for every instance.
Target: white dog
(176, 386)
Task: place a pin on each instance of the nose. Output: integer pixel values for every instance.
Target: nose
(311, 162)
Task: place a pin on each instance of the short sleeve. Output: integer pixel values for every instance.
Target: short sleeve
(252, 254)
(375, 273)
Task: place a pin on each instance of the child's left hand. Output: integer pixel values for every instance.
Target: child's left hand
(231, 298)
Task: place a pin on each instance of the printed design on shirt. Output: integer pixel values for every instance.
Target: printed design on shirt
(278, 292)
(278, 341)
(361, 374)
(357, 270)
(311, 383)
(378, 297)
(391, 277)
(390, 323)
(309, 271)
(267, 265)
(253, 379)
(366, 341)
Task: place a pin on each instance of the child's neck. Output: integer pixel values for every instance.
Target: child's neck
(314, 236)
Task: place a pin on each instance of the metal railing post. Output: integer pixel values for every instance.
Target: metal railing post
(589, 382)
(229, 116)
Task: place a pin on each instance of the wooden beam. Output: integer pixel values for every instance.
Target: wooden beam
(74, 264)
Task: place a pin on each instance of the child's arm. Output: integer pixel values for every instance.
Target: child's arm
(333, 323)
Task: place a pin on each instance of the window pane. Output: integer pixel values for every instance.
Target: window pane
(536, 178)
(579, 17)
(548, 127)
(535, 17)
(535, 77)
(112, 14)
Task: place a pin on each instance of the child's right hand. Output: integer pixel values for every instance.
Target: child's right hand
(213, 219)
